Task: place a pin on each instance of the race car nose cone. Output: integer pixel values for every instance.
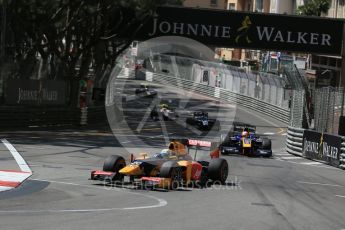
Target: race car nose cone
(131, 170)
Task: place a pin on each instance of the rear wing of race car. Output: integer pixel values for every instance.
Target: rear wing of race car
(212, 148)
(240, 127)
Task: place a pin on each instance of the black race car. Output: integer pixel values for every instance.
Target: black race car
(243, 140)
(145, 91)
(200, 120)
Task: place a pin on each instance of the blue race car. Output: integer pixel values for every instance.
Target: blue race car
(243, 140)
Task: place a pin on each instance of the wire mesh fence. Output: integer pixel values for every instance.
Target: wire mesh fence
(328, 106)
(297, 108)
(264, 86)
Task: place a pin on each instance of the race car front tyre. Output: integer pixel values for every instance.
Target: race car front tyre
(218, 170)
(266, 144)
(113, 164)
(171, 170)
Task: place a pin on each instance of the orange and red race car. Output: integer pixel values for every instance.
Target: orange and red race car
(185, 162)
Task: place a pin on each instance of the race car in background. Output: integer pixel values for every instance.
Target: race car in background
(163, 111)
(185, 162)
(242, 139)
(200, 120)
(145, 91)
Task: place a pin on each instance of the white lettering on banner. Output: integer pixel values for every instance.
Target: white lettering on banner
(193, 28)
(289, 38)
(178, 28)
(330, 151)
(272, 34)
(325, 39)
(216, 31)
(206, 30)
(310, 146)
(167, 27)
(190, 29)
(279, 36)
(264, 33)
(314, 39)
(226, 32)
(301, 38)
(36, 95)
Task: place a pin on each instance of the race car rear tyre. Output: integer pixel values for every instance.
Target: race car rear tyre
(170, 169)
(218, 170)
(113, 164)
(266, 144)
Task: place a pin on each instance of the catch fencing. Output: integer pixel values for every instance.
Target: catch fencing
(328, 106)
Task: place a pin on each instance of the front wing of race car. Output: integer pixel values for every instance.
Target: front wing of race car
(238, 150)
(102, 175)
(254, 145)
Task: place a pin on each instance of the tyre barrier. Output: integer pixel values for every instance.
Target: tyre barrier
(342, 154)
(294, 141)
(268, 109)
(83, 116)
(294, 144)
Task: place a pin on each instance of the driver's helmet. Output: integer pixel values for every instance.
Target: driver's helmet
(166, 153)
(245, 134)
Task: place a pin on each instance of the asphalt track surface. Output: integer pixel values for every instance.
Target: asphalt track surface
(283, 192)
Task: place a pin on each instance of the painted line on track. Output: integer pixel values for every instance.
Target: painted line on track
(19, 159)
(341, 196)
(292, 158)
(10, 179)
(311, 163)
(299, 163)
(269, 133)
(160, 202)
(282, 154)
(321, 184)
(281, 130)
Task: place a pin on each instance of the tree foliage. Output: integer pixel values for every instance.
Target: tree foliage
(314, 7)
(67, 33)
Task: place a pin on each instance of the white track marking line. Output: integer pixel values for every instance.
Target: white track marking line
(317, 166)
(340, 197)
(291, 158)
(314, 183)
(282, 154)
(268, 133)
(19, 159)
(5, 188)
(161, 202)
(311, 163)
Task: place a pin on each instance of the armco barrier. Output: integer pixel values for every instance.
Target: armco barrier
(245, 101)
(294, 141)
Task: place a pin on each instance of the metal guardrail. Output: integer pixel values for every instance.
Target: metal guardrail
(223, 94)
(294, 141)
